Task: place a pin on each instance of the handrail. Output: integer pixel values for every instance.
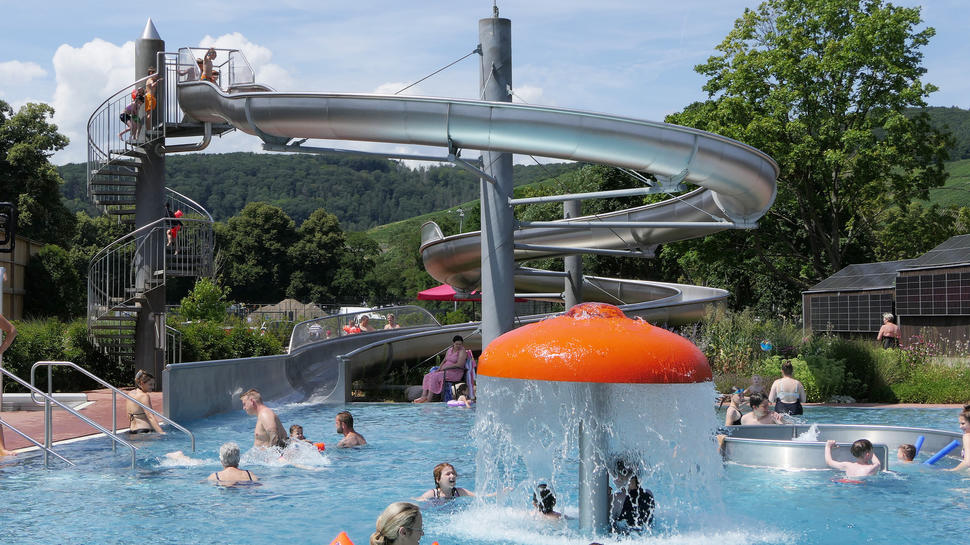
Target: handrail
(35, 442)
(196, 207)
(114, 391)
(47, 416)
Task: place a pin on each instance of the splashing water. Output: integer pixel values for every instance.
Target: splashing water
(527, 432)
(808, 436)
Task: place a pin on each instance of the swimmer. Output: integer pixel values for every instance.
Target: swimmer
(631, 506)
(399, 524)
(544, 501)
(269, 430)
(445, 477)
(345, 427)
(761, 412)
(733, 415)
(365, 323)
(866, 462)
(757, 387)
(906, 453)
(140, 420)
(231, 474)
(964, 420)
(296, 434)
(462, 400)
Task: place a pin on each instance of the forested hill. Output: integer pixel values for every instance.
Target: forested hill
(361, 191)
(957, 122)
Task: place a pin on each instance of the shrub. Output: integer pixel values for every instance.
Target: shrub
(206, 301)
(204, 341)
(822, 377)
(935, 384)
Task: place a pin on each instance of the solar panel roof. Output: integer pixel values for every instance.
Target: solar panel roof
(864, 276)
(954, 250)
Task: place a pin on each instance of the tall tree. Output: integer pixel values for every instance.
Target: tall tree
(316, 257)
(254, 246)
(822, 86)
(27, 178)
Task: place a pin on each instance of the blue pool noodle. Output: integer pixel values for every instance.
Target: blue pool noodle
(943, 452)
(919, 444)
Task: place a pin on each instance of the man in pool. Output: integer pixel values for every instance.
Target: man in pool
(866, 462)
(269, 430)
(345, 427)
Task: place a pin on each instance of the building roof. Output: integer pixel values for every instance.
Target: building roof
(955, 250)
(864, 276)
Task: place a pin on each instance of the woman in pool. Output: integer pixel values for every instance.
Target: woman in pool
(444, 484)
(231, 474)
(450, 370)
(787, 393)
(140, 420)
(964, 420)
(734, 414)
(399, 524)
(761, 412)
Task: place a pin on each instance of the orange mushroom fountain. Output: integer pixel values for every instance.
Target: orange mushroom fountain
(623, 389)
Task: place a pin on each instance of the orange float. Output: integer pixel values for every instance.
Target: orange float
(595, 342)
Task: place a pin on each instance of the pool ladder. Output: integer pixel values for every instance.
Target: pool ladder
(48, 399)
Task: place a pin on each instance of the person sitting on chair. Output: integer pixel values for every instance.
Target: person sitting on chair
(452, 369)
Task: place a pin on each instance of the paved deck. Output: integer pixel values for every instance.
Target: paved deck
(64, 424)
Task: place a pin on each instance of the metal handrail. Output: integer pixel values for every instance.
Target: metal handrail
(37, 444)
(47, 418)
(114, 392)
(179, 199)
(175, 337)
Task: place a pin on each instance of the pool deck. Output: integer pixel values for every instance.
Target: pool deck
(65, 425)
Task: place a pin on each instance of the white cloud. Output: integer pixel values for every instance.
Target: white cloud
(530, 94)
(86, 76)
(393, 87)
(20, 73)
(259, 57)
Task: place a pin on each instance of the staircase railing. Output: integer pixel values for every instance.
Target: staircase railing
(105, 124)
(234, 70)
(189, 207)
(173, 345)
(120, 273)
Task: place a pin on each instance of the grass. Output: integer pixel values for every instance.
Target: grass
(956, 191)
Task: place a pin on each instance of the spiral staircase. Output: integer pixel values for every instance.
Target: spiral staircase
(123, 274)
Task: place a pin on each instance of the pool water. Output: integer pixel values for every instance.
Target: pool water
(104, 501)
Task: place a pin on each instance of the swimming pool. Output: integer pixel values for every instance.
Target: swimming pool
(103, 501)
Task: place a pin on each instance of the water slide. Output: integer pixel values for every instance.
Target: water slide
(735, 183)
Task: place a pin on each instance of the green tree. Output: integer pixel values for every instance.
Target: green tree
(27, 178)
(54, 284)
(254, 247)
(207, 301)
(823, 87)
(316, 257)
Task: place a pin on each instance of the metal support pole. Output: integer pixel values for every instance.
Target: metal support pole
(573, 264)
(498, 312)
(149, 206)
(594, 481)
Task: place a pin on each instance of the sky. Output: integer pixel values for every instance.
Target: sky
(632, 58)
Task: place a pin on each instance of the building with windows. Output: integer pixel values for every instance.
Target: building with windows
(929, 295)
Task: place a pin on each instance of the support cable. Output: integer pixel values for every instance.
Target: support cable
(478, 50)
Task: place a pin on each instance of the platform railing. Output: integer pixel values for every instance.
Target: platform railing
(114, 393)
(105, 124)
(190, 208)
(333, 326)
(232, 68)
(48, 429)
(173, 345)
